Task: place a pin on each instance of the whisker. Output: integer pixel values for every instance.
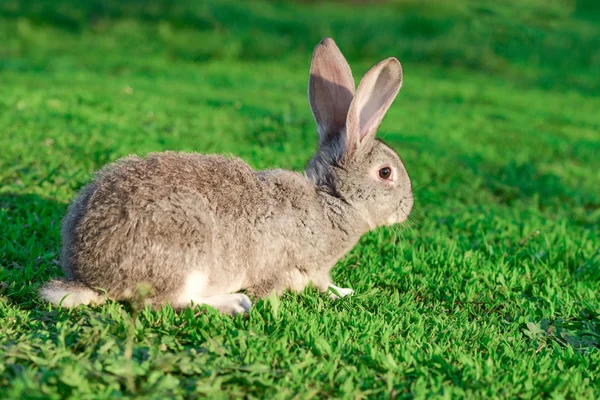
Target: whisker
(420, 187)
(423, 196)
(408, 219)
(417, 212)
(415, 222)
(396, 233)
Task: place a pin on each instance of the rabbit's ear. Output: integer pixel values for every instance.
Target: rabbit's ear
(330, 90)
(374, 96)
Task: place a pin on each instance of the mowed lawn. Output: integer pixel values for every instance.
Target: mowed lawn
(491, 289)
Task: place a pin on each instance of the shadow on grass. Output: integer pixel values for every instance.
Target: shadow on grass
(581, 333)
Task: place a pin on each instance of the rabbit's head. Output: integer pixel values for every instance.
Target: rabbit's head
(351, 163)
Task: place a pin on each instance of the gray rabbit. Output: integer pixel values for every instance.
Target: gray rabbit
(199, 228)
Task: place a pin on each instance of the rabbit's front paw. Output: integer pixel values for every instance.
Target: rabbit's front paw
(338, 292)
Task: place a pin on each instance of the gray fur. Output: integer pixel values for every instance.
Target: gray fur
(197, 227)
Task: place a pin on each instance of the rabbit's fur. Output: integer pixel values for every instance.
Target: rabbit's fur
(199, 228)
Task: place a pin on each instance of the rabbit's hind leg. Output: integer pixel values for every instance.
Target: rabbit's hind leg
(236, 303)
(197, 290)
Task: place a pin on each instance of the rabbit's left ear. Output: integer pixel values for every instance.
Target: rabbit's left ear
(330, 91)
(374, 96)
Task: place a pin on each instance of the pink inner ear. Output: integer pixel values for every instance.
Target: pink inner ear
(378, 101)
(368, 126)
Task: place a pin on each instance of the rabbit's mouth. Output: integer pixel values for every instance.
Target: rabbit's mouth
(397, 218)
(401, 213)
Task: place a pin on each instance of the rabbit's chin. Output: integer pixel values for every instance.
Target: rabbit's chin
(397, 218)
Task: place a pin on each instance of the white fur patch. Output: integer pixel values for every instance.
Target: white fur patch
(198, 291)
(195, 287)
(69, 298)
(298, 281)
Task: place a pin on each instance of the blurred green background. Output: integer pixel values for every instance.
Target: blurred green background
(553, 44)
(550, 44)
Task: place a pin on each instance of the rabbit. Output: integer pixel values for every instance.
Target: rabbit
(201, 228)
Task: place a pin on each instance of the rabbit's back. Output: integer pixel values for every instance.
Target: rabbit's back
(154, 219)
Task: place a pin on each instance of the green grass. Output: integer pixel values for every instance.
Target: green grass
(491, 291)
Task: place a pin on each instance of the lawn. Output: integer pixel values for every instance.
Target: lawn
(491, 290)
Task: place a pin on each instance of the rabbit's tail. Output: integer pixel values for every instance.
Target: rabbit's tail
(69, 294)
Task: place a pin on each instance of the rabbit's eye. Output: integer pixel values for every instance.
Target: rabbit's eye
(385, 173)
